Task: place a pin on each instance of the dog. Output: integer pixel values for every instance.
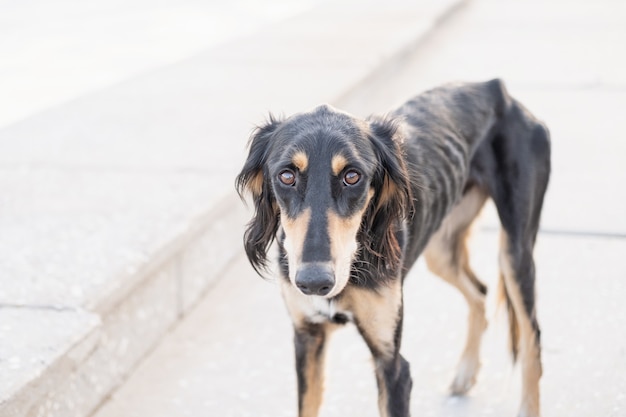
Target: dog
(353, 203)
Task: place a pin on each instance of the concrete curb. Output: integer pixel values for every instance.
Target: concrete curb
(111, 334)
(97, 355)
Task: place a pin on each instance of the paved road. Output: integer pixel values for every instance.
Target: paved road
(233, 355)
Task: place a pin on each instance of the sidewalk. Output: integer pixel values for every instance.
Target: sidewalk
(117, 209)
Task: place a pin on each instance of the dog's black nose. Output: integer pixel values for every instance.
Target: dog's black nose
(315, 279)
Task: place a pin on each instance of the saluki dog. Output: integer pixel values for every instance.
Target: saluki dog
(352, 203)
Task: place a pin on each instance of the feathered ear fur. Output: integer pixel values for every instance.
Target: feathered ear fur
(261, 230)
(392, 201)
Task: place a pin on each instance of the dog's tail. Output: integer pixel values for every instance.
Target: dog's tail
(514, 333)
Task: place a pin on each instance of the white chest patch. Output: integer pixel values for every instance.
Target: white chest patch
(313, 309)
(322, 310)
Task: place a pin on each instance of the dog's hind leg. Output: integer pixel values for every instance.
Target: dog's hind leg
(517, 279)
(446, 255)
(378, 317)
(522, 167)
(517, 274)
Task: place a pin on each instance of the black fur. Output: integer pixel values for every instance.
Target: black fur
(381, 234)
(262, 229)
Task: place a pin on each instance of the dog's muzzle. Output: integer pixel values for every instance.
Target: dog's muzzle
(315, 279)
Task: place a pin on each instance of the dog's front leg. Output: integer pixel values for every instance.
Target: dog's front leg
(378, 316)
(310, 344)
(310, 337)
(394, 385)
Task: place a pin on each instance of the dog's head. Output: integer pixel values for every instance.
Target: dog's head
(337, 186)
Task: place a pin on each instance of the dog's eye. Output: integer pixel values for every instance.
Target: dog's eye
(287, 177)
(351, 177)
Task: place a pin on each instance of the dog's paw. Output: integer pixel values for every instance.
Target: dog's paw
(529, 409)
(526, 413)
(465, 376)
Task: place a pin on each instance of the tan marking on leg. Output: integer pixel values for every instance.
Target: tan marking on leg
(301, 308)
(377, 314)
(446, 255)
(312, 399)
(463, 214)
(314, 377)
(295, 233)
(383, 395)
(457, 275)
(300, 160)
(343, 244)
(338, 163)
(513, 326)
(529, 350)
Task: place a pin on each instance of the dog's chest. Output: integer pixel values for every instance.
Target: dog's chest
(321, 310)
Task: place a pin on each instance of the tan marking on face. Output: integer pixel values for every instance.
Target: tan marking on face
(343, 244)
(295, 233)
(529, 350)
(300, 160)
(387, 191)
(338, 163)
(256, 184)
(296, 303)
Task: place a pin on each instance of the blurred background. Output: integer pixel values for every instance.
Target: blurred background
(56, 51)
(123, 287)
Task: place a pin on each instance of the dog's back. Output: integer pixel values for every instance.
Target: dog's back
(459, 136)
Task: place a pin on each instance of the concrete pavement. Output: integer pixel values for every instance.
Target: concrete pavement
(233, 355)
(117, 207)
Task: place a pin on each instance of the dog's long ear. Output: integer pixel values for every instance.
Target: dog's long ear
(392, 201)
(261, 230)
